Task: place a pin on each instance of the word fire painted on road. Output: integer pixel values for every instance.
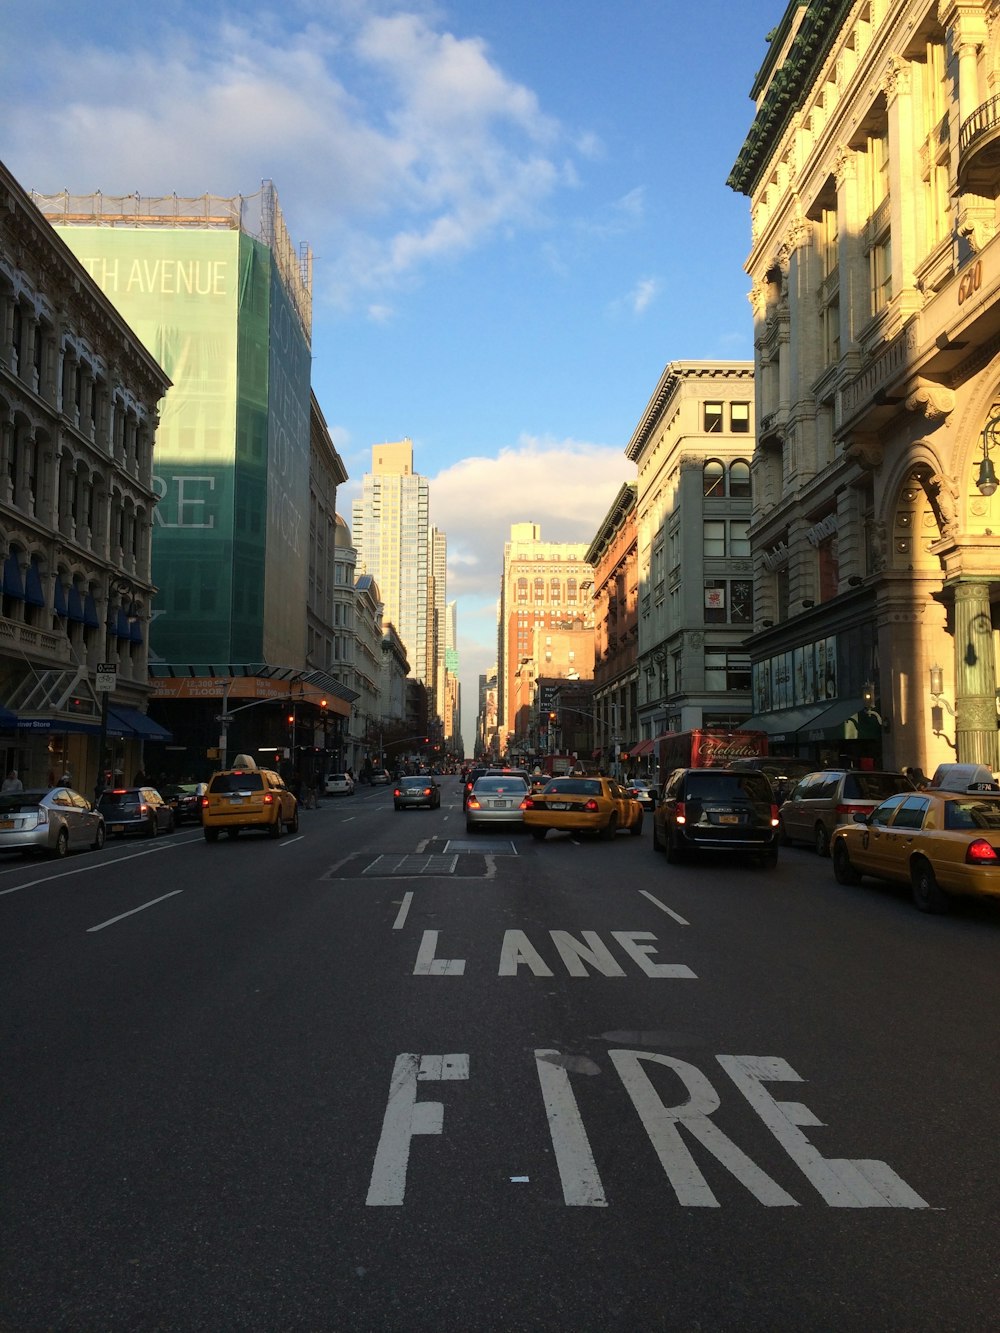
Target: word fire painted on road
(840, 1182)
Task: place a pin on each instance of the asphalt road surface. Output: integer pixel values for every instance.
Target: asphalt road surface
(387, 1075)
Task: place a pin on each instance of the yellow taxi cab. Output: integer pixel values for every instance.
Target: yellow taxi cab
(582, 805)
(939, 842)
(247, 797)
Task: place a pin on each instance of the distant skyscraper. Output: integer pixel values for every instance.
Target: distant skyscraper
(392, 536)
(439, 589)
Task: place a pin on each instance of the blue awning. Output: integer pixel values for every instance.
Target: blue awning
(8, 720)
(13, 583)
(130, 722)
(33, 594)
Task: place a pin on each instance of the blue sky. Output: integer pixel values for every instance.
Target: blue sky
(517, 208)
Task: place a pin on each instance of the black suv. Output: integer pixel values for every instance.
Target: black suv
(716, 810)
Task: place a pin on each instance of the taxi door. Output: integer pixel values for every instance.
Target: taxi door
(877, 852)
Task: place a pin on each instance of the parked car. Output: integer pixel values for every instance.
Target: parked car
(417, 789)
(582, 805)
(717, 810)
(248, 797)
(56, 821)
(495, 800)
(339, 784)
(940, 843)
(822, 800)
(185, 797)
(140, 810)
(643, 793)
(380, 778)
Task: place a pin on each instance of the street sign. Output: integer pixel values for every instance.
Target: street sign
(223, 717)
(107, 677)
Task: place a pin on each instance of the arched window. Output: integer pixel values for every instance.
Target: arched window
(714, 478)
(739, 479)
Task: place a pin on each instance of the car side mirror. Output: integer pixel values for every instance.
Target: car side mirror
(862, 819)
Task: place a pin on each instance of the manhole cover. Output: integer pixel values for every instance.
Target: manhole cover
(497, 846)
(411, 864)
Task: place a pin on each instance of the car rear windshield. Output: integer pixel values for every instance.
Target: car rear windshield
(17, 802)
(118, 800)
(704, 785)
(230, 782)
(572, 787)
(972, 814)
(874, 786)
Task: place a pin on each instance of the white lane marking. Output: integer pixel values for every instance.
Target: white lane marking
(662, 1124)
(287, 842)
(842, 1183)
(581, 1182)
(404, 908)
(82, 870)
(422, 844)
(348, 819)
(664, 908)
(404, 1117)
(491, 866)
(151, 903)
(429, 966)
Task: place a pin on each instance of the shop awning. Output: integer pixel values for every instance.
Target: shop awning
(784, 722)
(846, 720)
(641, 748)
(130, 722)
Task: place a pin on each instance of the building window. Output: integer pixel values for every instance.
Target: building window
(739, 418)
(713, 539)
(739, 542)
(880, 273)
(713, 418)
(728, 601)
(726, 672)
(739, 479)
(714, 479)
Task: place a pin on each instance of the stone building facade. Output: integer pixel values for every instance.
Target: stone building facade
(692, 449)
(79, 403)
(613, 554)
(873, 175)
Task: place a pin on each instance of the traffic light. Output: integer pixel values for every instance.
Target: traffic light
(553, 716)
(291, 719)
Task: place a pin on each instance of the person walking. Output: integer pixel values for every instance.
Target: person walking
(12, 782)
(67, 778)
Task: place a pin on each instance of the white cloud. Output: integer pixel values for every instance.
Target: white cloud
(393, 143)
(565, 486)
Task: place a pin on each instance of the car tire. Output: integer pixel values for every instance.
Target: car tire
(539, 834)
(769, 860)
(61, 848)
(171, 822)
(636, 829)
(783, 839)
(610, 828)
(928, 896)
(151, 829)
(657, 841)
(469, 828)
(293, 827)
(232, 833)
(274, 828)
(99, 836)
(844, 871)
(211, 834)
(821, 840)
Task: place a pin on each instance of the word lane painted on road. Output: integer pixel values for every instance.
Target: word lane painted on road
(840, 1183)
(585, 956)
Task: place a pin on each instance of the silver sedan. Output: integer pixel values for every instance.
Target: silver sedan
(56, 821)
(496, 800)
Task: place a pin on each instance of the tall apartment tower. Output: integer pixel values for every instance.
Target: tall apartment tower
(392, 536)
(544, 585)
(438, 600)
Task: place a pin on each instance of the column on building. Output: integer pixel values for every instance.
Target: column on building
(975, 676)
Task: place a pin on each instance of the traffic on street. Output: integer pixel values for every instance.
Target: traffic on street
(385, 1073)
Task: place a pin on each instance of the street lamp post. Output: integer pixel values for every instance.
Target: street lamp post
(107, 671)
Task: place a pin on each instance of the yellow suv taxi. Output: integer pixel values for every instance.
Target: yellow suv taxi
(247, 797)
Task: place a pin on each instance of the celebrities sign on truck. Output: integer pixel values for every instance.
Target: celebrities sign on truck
(708, 747)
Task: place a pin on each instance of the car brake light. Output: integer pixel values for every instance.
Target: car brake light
(679, 814)
(527, 804)
(473, 803)
(204, 802)
(41, 815)
(775, 821)
(118, 791)
(980, 852)
(268, 798)
(592, 807)
(397, 792)
(427, 791)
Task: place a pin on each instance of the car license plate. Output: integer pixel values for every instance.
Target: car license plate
(558, 805)
(117, 828)
(236, 800)
(7, 823)
(729, 819)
